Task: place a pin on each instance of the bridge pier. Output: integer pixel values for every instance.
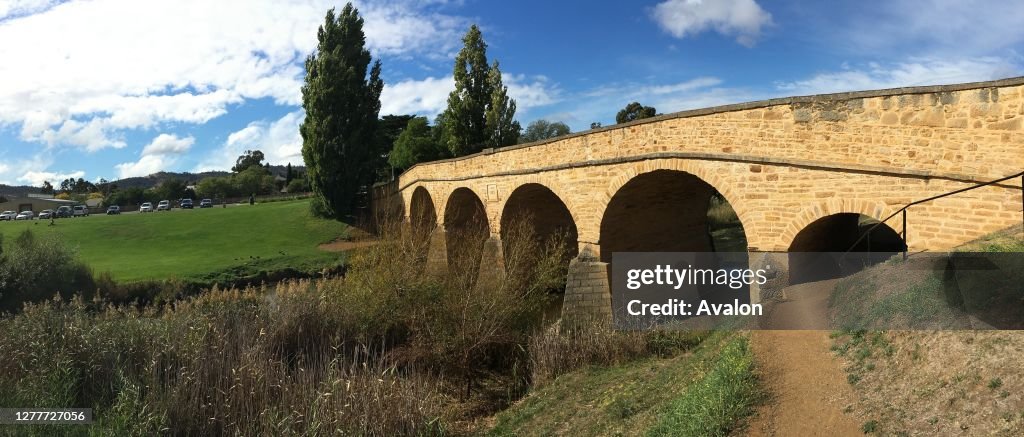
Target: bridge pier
(492, 264)
(587, 292)
(437, 254)
(776, 266)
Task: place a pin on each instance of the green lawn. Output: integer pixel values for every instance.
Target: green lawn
(196, 244)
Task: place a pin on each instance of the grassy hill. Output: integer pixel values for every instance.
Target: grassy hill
(931, 382)
(202, 244)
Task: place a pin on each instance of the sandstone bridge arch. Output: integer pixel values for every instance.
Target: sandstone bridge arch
(795, 171)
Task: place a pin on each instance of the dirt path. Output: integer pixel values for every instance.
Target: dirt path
(342, 246)
(807, 389)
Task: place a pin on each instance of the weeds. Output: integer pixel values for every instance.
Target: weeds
(716, 403)
(384, 350)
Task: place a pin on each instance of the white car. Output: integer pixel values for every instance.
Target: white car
(25, 215)
(8, 215)
(146, 207)
(79, 211)
(164, 205)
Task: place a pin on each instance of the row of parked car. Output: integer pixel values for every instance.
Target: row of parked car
(82, 211)
(61, 212)
(165, 205)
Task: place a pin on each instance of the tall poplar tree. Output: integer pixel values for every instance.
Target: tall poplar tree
(341, 104)
(479, 94)
(502, 128)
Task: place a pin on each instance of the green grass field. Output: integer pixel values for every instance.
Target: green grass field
(204, 244)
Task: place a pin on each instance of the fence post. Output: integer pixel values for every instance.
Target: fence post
(906, 246)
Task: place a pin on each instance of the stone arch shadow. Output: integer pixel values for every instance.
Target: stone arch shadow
(466, 229)
(826, 232)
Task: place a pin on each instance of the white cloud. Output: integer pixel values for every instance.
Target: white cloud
(160, 154)
(423, 97)
(167, 144)
(914, 73)
(743, 19)
(531, 92)
(429, 96)
(600, 104)
(33, 170)
(96, 68)
(279, 141)
(11, 8)
(398, 30)
(36, 178)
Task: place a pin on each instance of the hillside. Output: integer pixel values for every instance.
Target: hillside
(934, 382)
(18, 191)
(159, 177)
(706, 391)
(199, 244)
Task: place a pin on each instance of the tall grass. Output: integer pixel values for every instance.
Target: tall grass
(715, 404)
(562, 349)
(384, 350)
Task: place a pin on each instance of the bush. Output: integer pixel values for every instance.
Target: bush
(36, 268)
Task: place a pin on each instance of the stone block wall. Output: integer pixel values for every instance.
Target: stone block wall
(781, 164)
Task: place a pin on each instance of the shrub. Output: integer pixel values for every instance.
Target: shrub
(36, 268)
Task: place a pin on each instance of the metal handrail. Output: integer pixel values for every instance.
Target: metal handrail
(903, 210)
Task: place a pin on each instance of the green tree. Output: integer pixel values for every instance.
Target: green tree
(502, 128)
(479, 112)
(389, 127)
(298, 185)
(542, 130)
(634, 111)
(47, 188)
(416, 144)
(341, 104)
(216, 188)
(248, 159)
(288, 174)
(171, 189)
(253, 180)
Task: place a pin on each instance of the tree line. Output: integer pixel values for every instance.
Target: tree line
(249, 176)
(347, 146)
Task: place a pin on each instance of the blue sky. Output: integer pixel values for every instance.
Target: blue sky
(117, 88)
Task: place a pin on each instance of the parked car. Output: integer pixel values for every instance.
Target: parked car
(164, 205)
(25, 215)
(146, 207)
(186, 204)
(64, 212)
(206, 203)
(80, 211)
(46, 213)
(113, 209)
(8, 215)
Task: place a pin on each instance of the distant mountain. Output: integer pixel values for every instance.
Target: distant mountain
(19, 191)
(158, 178)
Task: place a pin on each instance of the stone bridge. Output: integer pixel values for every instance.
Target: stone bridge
(795, 170)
